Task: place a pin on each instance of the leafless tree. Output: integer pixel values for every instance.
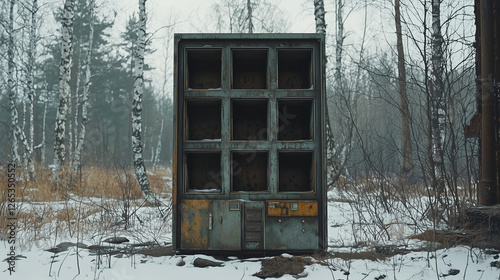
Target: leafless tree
(333, 170)
(247, 16)
(17, 132)
(403, 98)
(64, 87)
(137, 148)
(438, 103)
(80, 137)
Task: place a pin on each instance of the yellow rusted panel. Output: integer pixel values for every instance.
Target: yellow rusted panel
(285, 209)
(194, 224)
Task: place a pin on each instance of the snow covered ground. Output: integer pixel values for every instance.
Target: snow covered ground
(349, 235)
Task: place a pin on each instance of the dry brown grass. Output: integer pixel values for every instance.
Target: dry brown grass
(92, 182)
(72, 204)
(450, 239)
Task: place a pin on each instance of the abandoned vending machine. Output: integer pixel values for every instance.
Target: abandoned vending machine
(249, 143)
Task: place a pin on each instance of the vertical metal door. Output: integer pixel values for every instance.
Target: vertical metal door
(225, 225)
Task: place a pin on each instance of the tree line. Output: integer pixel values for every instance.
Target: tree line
(397, 105)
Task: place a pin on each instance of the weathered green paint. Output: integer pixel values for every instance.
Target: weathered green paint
(203, 220)
(291, 233)
(253, 226)
(226, 226)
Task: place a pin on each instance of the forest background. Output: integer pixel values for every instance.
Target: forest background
(402, 131)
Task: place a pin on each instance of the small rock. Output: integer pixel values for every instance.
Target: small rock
(116, 240)
(181, 262)
(495, 264)
(200, 262)
(301, 275)
(65, 245)
(54, 250)
(388, 250)
(98, 249)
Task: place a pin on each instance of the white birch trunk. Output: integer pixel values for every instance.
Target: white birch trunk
(10, 85)
(23, 123)
(319, 15)
(30, 84)
(17, 132)
(438, 109)
(85, 97)
(339, 46)
(73, 111)
(333, 171)
(250, 23)
(64, 87)
(42, 144)
(76, 114)
(137, 148)
(158, 145)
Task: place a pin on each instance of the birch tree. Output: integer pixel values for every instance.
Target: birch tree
(438, 110)
(85, 96)
(403, 98)
(10, 84)
(30, 83)
(249, 16)
(64, 86)
(17, 133)
(137, 146)
(333, 171)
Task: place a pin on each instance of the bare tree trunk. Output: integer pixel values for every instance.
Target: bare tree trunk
(137, 148)
(158, 145)
(250, 24)
(30, 83)
(403, 98)
(41, 146)
(333, 171)
(85, 96)
(319, 15)
(10, 85)
(438, 109)
(17, 132)
(64, 87)
(339, 46)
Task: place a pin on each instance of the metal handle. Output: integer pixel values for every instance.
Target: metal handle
(210, 221)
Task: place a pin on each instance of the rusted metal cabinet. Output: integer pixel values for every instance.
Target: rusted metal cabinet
(249, 143)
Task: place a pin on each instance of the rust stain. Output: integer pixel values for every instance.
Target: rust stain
(282, 208)
(193, 224)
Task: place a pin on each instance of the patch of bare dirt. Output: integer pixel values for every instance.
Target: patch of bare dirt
(279, 266)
